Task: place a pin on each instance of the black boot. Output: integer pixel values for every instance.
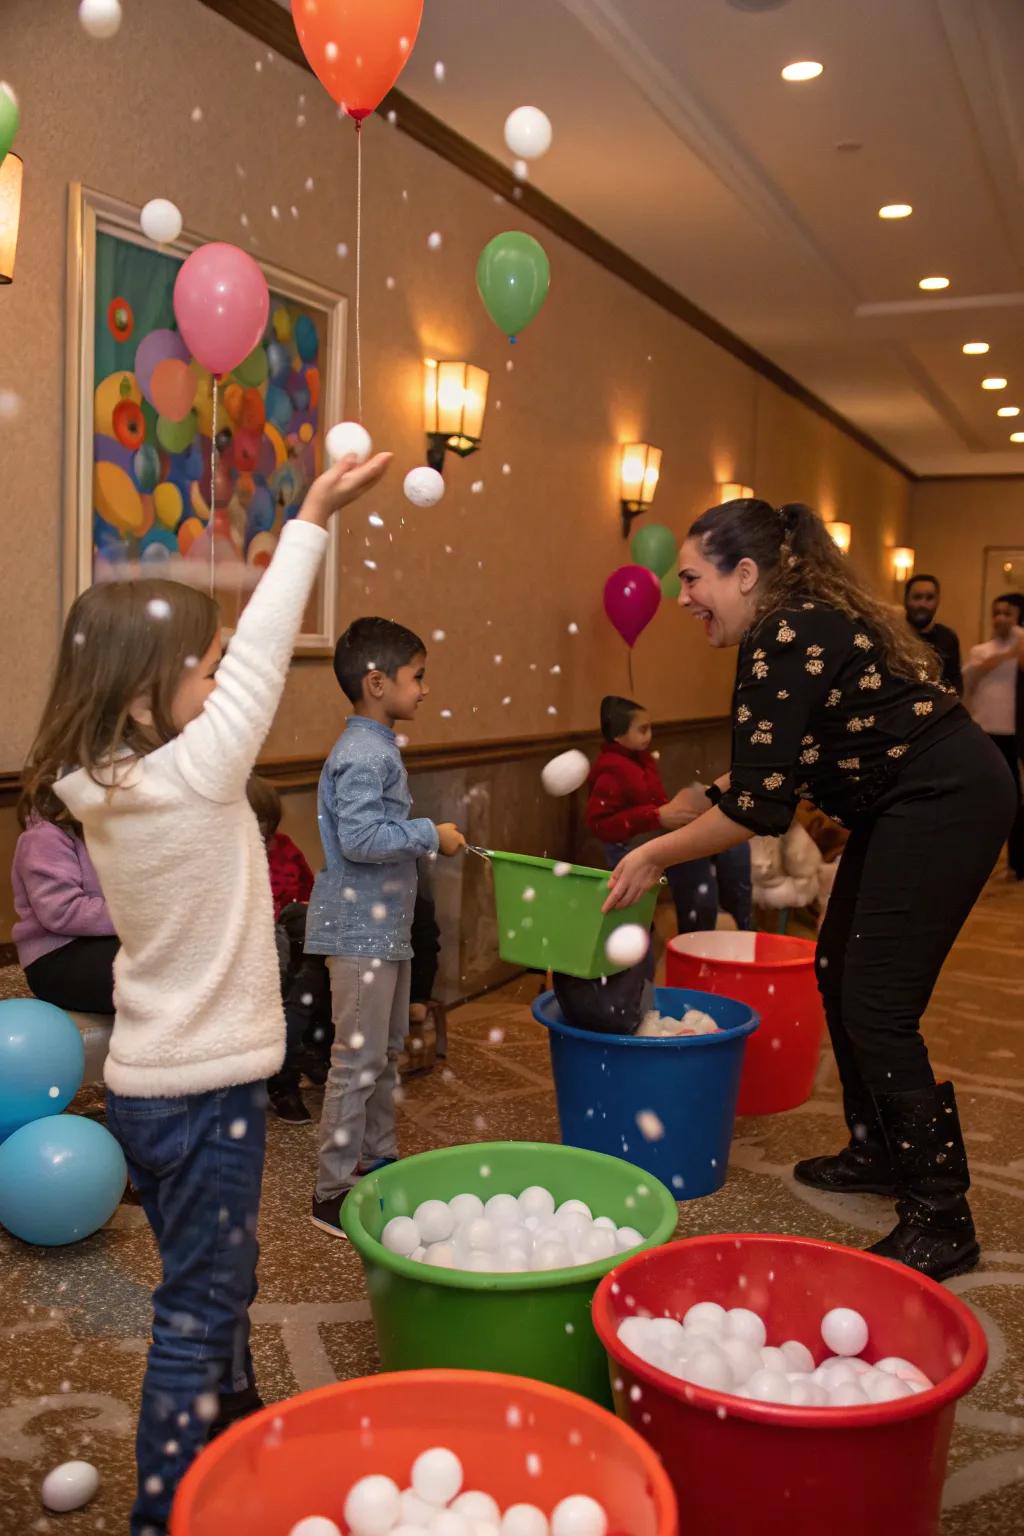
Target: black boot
(935, 1233)
(863, 1167)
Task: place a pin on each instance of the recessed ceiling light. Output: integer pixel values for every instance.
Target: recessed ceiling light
(994, 383)
(1017, 437)
(806, 69)
(931, 284)
(974, 348)
(895, 211)
(1008, 410)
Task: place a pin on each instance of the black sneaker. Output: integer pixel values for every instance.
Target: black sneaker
(290, 1108)
(326, 1214)
(314, 1067)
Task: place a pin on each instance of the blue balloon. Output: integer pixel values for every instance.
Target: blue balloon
(306, 340)
(41, 1062)
(279, 362)
(159, 538)
(279, 407)
(261, 511)
(147, 467)
(61, 1179)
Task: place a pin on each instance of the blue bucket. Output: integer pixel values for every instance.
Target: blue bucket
(667, 1105)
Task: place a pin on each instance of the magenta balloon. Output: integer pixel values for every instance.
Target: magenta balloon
(156, 348)
(221, 304)
(632, 595)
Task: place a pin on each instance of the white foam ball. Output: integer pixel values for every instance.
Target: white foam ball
(848, 1394)
(69, 1486)
(566, 773)
(514, 1260)
(372, 1506)
(636, 1333)
(161, 221)
(805, 1393)
(578, 1515)
(773, 1359)
(423, 486)
(528, 133)
(741, 1323)
(465, 1207)
(348, 438)
(478, 1234)
(403, 1529)
(419, 1254)
(477, 1506)
(415, 1511)
(832, 1373)
(665, 1331)
(524, 1520)
(503, 1210)
(447, 1523)
(598, 1244)
(709, 1368)
(401, 1236)
(573, 1207)
(574, 1227)
(537, 1201)
(627, 944)
(514, 1235)
(437, 1476)
(798, 1356)
(881, 1387)
(551, 1254)
(434, 1221)
(486, 1527)
(319, 1525)
(604, 1221)
(628, 1237)
(483, 1261)
(894, 1365)
(440, 1256)
(743, 1357)
(100, 19)
(705, 1316)
(844, 1331)
(768, 1387)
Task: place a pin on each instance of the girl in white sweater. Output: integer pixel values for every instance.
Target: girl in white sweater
(165, 731)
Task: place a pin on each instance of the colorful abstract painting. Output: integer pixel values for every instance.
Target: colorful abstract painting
(153, 434)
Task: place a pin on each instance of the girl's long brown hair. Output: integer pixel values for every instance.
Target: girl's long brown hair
(122, 641)
(798, 559)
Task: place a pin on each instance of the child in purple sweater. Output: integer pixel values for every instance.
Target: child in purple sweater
(65, 939)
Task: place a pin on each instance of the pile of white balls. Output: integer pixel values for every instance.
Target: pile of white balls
(728, 1352)
(375, 1506)
(693, 1022)
(508, 1235)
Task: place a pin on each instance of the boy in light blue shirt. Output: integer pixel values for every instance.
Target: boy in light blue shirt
(360, 912)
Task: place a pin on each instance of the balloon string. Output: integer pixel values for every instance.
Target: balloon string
(629, 664)
(213, 486)
(359, 269)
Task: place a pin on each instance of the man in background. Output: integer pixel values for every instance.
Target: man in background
(992, 679)
(921, 601)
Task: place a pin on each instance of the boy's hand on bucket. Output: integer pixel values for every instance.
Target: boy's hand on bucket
(450, 840)
(632, 879)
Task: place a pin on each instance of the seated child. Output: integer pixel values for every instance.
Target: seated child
(64, 935)
(360, 914)
(304, 985)
(628, 804)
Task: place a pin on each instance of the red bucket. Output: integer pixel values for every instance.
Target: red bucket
(740, 1465)
(775, 976)
(300, 1457)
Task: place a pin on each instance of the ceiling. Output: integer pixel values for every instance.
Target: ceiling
(676, 139)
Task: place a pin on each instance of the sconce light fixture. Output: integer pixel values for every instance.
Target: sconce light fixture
(902, 563)
(11, 169)
(639, 474)
(840, 535)
(730, 490)
(454, 402)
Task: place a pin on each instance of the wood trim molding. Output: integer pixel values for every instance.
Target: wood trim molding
(271, 24)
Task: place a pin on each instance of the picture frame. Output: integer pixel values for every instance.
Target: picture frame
(156, 495)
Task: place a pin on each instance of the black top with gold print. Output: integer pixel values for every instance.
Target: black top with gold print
(817, 715)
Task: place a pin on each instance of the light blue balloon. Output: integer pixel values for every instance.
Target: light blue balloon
(41, 1062)
(278, 407)
(61, 1179)
(307, 343)
(279, 362)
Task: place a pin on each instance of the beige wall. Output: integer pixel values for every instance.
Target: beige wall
(952, 523)
(530, 554)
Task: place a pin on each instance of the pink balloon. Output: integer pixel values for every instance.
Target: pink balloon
(221, 304)
(632, 595)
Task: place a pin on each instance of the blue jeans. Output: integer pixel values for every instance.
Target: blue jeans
(699, 886)
(197, 1164)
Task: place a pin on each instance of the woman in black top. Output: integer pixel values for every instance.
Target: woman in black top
(836, 701)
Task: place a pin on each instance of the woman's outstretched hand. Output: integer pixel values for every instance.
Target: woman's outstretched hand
(631, 879)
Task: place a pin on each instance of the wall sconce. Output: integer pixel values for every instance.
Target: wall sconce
(731, 491)
(454, 402)
(902, 563)
(840, 533)
(11, 169)
(641, 469)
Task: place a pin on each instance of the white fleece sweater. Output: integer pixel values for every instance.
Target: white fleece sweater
(184, 870)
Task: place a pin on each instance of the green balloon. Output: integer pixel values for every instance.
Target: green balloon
(252, 370)
(8, 120)
(175, 436)
(671, 586)
(655, 546)
(513, 276)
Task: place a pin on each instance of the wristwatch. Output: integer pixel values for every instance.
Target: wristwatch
(713, 793)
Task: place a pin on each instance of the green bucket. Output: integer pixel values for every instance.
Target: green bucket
(535, 1324)
(554, 922)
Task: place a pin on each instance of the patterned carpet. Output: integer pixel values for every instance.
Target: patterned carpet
(74, 1321)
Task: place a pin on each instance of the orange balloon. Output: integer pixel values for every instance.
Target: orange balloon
(189, 531)
(357, 48)
(313, 385)
(172, 388)
(253, 413)
(231, 400)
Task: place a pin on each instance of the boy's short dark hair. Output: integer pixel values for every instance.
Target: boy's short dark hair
(266, 804)
(373, 645)
(617, 716)
(1015, 600)
(912, 582)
